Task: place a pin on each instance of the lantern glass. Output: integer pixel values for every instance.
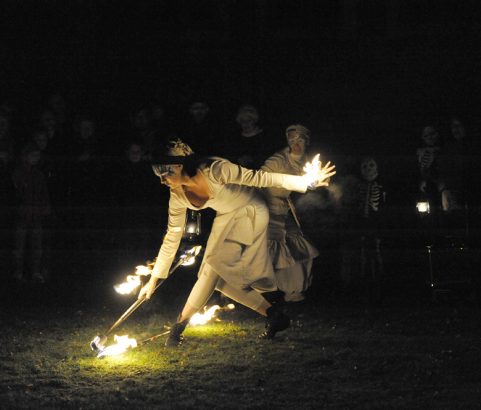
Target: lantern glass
(423, 207)
(192, 224)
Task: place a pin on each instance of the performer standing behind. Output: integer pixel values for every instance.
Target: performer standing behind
(291, 253)
(236, 261)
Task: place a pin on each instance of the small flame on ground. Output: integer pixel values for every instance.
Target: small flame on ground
(209, 313)
(123, 344)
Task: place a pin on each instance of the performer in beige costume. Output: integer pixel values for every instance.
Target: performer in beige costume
(291, 253)
(236, 260)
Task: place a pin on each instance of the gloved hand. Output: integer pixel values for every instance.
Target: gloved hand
(149, 288)
(323, 174)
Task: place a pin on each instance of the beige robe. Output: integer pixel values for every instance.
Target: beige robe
(242, 217)
(291, 253)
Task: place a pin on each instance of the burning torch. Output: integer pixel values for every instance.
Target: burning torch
(98, 343)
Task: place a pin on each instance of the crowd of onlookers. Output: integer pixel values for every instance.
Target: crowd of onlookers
(71, 187)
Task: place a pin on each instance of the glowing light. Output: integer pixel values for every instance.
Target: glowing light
(189, 256)
(202, 318)
(132, 282)
(127, 287)
(423, 207)
(209, 313)
(316, 174)
(123, 344)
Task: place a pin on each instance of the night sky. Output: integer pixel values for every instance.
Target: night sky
(361, 86)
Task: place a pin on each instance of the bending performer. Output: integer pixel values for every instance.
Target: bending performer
(236, 260)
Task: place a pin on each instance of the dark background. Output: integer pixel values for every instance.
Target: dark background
(362, 74)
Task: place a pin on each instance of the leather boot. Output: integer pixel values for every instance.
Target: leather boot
(275, 322)
(175, 336)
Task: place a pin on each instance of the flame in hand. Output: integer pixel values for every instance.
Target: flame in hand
(123, 344)
(316, 174)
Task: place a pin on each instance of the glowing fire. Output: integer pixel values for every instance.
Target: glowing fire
(132, 282)
(189, 256)
(123, 344)
(209, 313)
(315, 173)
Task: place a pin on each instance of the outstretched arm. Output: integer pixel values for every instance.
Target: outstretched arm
(226, 172)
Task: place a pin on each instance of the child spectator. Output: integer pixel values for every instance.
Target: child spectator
(32, 210)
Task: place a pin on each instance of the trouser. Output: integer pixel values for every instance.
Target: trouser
(209, 280)
(28, 233)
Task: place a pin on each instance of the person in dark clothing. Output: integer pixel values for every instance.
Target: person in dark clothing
(32, 210)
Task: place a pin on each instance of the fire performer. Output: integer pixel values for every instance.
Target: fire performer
(291, 253)
(236, 260)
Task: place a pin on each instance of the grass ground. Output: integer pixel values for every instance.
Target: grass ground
(425, 357)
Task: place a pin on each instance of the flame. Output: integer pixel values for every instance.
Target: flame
(129, 286)
(123, 344)
(189, 256)
(132, 282)
(199, 319)
(311, 170)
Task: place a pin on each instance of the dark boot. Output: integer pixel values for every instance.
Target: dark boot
(274, 297)
(275, 322)
(175, 336)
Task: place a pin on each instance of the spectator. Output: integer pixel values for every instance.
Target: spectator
(431, 183)
(291, 253)
(145, 131)
(362, 262)
(32, 210)
(202, 130)
(251, 148)
(6, 189)
(85, 187)
(137, 216)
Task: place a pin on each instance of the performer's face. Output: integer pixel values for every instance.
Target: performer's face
(171, 175)
(297, 143)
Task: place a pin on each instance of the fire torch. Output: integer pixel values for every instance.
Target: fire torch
(98, 343)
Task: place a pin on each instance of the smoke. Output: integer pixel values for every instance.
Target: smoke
(317, 208)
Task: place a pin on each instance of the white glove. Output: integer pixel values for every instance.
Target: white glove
(323, 174)
(148, 289)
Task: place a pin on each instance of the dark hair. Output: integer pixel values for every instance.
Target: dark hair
(190, 164)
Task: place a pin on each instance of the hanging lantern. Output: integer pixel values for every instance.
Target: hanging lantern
(192, 225)
(423, 207)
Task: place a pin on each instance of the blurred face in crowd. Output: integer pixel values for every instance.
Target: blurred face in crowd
(246, 122)
(57, 102)
(297, 143)
(134, 153)
(141, 120)
(199, 111)
(158, 113)
(369, 169)
(41, 140)
(48, 120)
(457, 129)
(430, 136)
(33, 158)
(4, 124)
(86, 129)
